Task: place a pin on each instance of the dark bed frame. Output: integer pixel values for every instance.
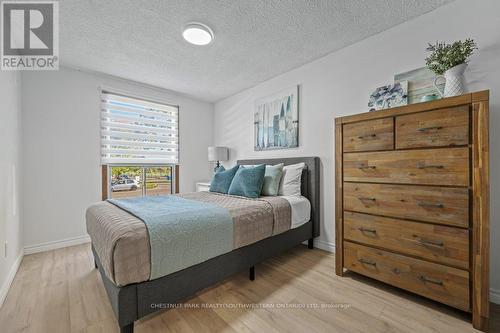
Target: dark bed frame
(134, 301)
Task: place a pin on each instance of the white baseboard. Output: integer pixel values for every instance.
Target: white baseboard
(56, 244)
(4, 289)
(324, 245)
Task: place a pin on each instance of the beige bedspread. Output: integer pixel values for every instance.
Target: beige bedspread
(122, 243)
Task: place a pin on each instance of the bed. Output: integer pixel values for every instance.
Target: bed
(260, 228)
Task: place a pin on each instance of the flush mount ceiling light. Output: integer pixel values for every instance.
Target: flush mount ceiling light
(198, 34)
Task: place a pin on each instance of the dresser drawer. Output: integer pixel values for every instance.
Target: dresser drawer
(369, 135)
(438, 282)
(445, 127)
(446, 166)
(442, 244)
(443, 205)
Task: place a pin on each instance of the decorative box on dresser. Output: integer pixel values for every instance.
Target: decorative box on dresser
(412, 199)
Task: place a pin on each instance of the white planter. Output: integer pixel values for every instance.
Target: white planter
(455, 81)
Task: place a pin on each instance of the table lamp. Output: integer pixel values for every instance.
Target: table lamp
(217, 154)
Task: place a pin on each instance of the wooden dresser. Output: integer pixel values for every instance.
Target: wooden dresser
(412, 193)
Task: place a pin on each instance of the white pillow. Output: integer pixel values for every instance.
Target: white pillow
(291, 179)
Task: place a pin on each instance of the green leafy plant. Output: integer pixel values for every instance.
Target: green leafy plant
(445, 56)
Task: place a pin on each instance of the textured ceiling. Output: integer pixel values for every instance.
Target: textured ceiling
(254, 39)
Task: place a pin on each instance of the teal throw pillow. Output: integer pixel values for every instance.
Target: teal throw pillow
(248, 182)
(222, 179)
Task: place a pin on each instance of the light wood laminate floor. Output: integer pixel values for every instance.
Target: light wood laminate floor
(60, 291)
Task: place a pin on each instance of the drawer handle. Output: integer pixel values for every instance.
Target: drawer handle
(432, 128)
(428, 280)
(373, 231)
(362, 137)
(430, 204)
(366, 199)
(367, 262)
(363, 167)
(436, 166)
(429, 242)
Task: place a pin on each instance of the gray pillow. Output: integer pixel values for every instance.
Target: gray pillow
(272, 179)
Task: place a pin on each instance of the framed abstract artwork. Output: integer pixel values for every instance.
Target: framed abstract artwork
(389, 96)
(276, 120)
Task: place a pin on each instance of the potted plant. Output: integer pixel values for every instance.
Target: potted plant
(449, 61)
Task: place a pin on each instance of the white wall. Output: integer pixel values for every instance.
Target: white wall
(61, 133)
(338, 84)
(10, 164)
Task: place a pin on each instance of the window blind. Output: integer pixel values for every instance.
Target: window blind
(135, 131)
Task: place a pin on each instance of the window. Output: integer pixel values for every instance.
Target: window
(136, 181)
(139, 146)
(135, 131)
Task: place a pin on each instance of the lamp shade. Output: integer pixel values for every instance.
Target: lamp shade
(218, 153)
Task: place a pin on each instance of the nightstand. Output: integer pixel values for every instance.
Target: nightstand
(202, 186)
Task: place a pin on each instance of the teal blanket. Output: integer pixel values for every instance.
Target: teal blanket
(182, 232)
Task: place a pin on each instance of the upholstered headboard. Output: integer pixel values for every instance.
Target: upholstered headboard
(310, 182)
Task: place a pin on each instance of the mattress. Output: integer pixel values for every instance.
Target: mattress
(121, 240)
(300, 209)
